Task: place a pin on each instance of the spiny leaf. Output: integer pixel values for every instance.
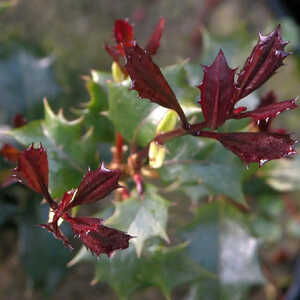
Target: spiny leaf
(257, 146)
(268, 111)
(69, 153)
(32, 169)
(154, 41)
(266, 57)
(95, 185)
(148, 80)
(142, 218)
(217, 90)
(221, 243)
(97, 237)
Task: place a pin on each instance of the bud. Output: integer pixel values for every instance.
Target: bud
(117, 73)
(156, 155)
(168, 122)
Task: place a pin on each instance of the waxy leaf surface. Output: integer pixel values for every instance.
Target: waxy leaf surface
(142, 218)
(221, 243)
(32, 169)
(268, 111)
(148, 80)
(217, 91)
(266, 57)
(95, 185)
(257, 146)
(97, 237)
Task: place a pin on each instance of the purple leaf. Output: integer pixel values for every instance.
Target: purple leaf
(256, 146)
(95, 186)
(154, 41)
(266, 57)
(148, 80)
(217, 91)
(97, 237)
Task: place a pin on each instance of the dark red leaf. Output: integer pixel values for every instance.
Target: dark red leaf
(217, 90)
(268, 99)
(116, 53)
(32, 168)
(266, 57)
(19, 121)
(95, 186)
(97, 237)
(123, 31)
(268, 111)
(148, 80)
(55, 230)
(256, 146)
(154, 41)
(64, 204)
(10, 153)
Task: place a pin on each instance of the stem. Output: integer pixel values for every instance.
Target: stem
(162, 138)
(118, 155)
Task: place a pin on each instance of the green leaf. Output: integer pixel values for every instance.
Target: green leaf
(134, 117)
(204, 163)
(98, 97)
(69, 153)
(220, 242)
(284, 174)
(95, 110)
(167, 268)
(177, 78)
(142, 217)
(159, 266)
(120, 272)
(43, 257)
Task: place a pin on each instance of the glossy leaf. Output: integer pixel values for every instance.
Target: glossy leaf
(131, 116)
(32, 169)
(154, 41)
(95, 185)
(200, 163)
(257, 146)
(217, 91)
(221, 243)
(148, 80)
(142, 218)
(69, 152)
(185, 91)
(97, 237)
(266, 57)
(266, 112)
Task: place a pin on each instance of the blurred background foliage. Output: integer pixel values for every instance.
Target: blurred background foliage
(45, 49)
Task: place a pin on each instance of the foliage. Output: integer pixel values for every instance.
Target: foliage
(214, 252)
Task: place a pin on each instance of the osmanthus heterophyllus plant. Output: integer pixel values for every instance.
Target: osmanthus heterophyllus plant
(146, 145)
